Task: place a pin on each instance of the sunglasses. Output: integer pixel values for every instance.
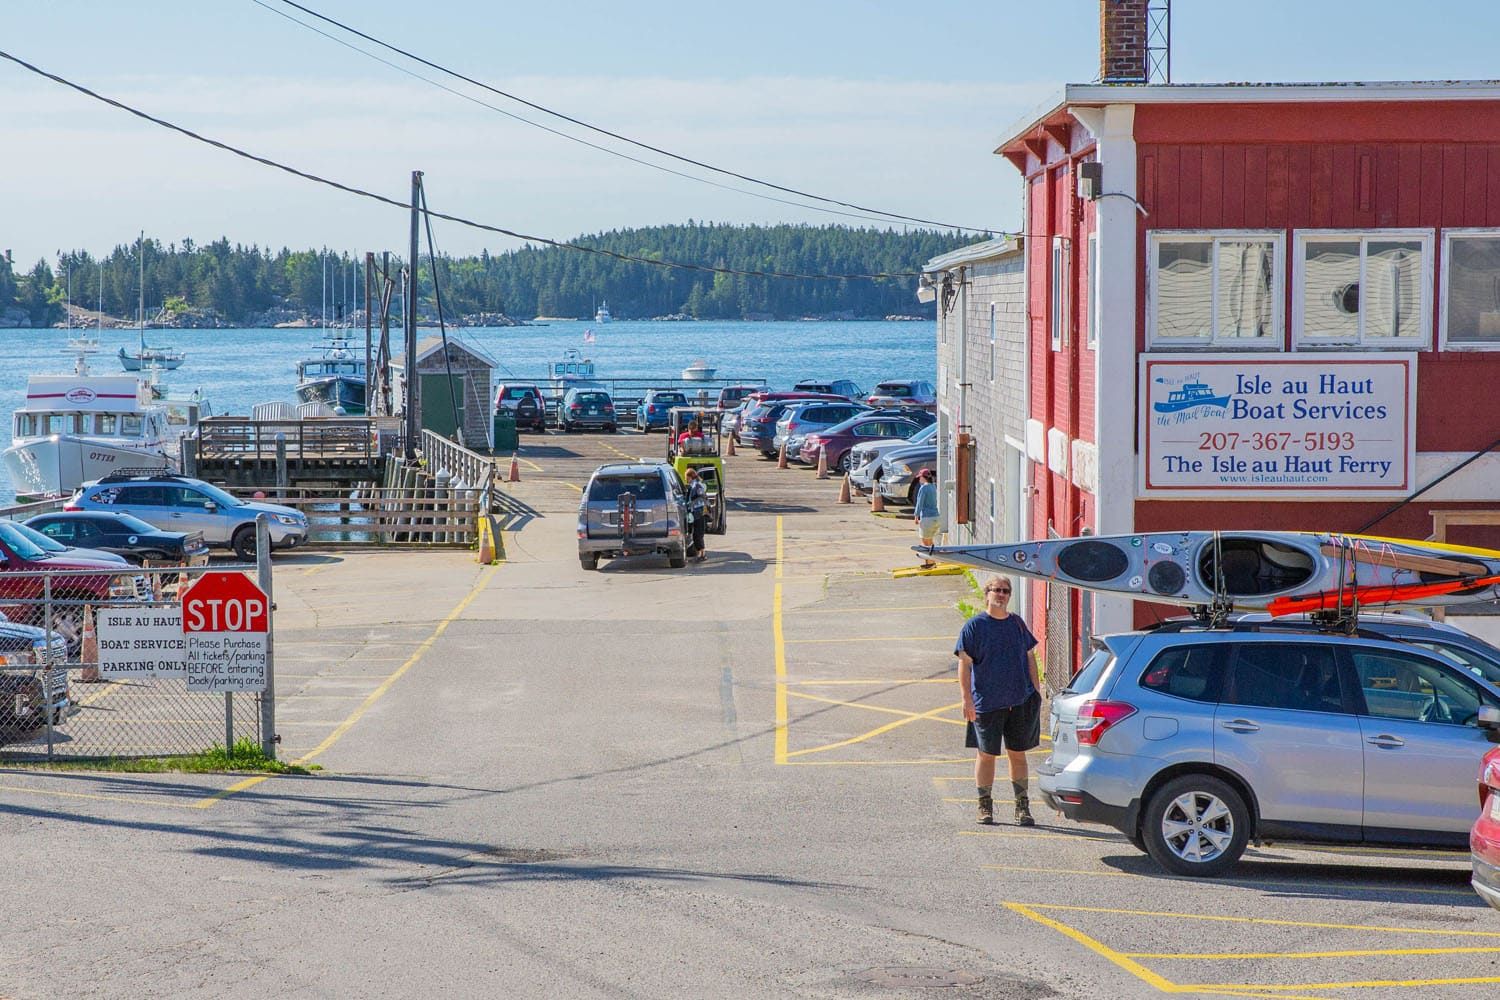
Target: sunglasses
(998, 590)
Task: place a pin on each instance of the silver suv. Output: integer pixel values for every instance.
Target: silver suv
(1193, 742)
(633, 509)
(180, 503)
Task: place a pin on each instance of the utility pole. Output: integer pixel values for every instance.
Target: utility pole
(370, 409)
(413, 384)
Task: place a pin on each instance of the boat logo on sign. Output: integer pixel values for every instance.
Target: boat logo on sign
(80, 394)
(1190, 394)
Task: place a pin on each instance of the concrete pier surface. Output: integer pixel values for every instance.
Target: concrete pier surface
(743, 778)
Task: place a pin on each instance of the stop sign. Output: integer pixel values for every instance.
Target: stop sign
(225, 602)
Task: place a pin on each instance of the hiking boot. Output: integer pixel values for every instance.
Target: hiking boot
(1023, 812)
(986, 810)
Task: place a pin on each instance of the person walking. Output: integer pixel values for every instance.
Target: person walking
(999, 679)
(697, 497)
(926, 512)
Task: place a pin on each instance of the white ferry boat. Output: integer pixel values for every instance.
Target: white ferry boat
(601, 315)
(76, 428)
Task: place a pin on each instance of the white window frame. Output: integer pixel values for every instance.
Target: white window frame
(1302, 237)
(994, 350)
(1275, 342)
(1444, 344)
(1093, 286)
(1058, 297)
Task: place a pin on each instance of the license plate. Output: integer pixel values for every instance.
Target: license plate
(594, 410)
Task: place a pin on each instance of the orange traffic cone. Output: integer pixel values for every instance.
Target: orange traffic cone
(730, 449)
(781, 457)
(88, 653)
(844, 491)
(822, 462)
(515, 470)
(877, 502)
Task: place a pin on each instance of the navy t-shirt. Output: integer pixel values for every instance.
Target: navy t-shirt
(999, 648)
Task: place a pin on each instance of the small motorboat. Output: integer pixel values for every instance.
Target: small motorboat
(601, 315)
(699, 371)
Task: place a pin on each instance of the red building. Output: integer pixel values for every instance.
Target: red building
(1271, 306)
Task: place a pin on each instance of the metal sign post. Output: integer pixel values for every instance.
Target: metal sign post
(268, 696)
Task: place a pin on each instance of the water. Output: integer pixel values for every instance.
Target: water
(236, 369)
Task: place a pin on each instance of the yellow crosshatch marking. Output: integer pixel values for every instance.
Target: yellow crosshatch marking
(1285, 991)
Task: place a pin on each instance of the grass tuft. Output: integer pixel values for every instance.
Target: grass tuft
(974, 603)
(245, 755)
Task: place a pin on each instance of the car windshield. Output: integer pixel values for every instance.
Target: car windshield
(925, 434)
(591, 397)
(217, 495)
(900, 390)
(646, 486)
(19, 542)
(50, 544)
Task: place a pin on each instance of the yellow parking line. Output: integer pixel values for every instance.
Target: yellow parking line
(850, 611)
(876, 731)
(529, 464)
(1056, 871)
(873, 638)
(878, 763)
(1249, 883)
(1081, 835)
(1267, 921)
(875, 680)
(1097, 947)
(874, 708)
(316, 569)
(574, 486)
(94, 696)
(98, 798)
(778, 638)
(1226, 956)
(1357, 984)
(369, 700)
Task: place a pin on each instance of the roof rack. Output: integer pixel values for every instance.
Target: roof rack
(1176, 625)
(124, 475)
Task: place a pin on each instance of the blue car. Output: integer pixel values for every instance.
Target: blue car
(655, 406)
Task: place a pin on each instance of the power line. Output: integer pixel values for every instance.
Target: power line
(617, 136)
(384, 200)
(564, 135)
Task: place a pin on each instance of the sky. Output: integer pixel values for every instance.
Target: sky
(883, 104)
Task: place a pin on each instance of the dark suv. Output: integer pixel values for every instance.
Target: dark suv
(847, 388)
(632, 509)
(524, 403)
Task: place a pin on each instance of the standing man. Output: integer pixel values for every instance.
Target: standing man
(697, 495)
(926, 512)
(1002, 696)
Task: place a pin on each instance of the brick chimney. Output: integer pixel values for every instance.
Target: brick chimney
(1122, 41)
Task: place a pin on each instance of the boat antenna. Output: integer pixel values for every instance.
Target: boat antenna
(140, 308)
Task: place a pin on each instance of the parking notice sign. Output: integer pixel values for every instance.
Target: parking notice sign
(225, 619)
(140, 642)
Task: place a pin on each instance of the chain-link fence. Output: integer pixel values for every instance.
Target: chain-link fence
(92, 666)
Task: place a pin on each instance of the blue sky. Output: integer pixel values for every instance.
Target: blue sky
(887, 104)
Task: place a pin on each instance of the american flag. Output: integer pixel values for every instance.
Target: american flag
(588, 336)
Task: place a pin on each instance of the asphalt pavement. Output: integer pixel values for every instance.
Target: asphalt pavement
(743, 778)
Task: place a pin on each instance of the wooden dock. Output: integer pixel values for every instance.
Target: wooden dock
(324, 451)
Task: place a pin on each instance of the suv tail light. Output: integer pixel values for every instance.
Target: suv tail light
(71, 506)
(1095, 718)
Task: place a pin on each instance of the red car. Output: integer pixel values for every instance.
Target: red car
(22, 587)
(1484, 839)
(837, 440)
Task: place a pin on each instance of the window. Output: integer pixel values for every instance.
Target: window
(1084, 681)
(1471, 660)
(645, 487)
(1291, 675)
(1093, 287)
(61, 530)
(1362, 289)
(105, 423)
(1214, 290)
(994, 352)
(994, 514)
(1059, 293)
(1193, 672)
(1400, 686)
(130, 425)
(1471, 288)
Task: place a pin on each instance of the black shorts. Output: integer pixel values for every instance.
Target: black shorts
(1018, 727)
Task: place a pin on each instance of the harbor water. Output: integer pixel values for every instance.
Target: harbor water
(236, 369)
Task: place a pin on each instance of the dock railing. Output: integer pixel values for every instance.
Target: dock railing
(466, 468)
(385, 516)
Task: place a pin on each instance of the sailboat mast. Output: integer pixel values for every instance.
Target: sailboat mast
(140, 309)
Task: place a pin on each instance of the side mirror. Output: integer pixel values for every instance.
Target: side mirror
(210, 506)
(1489, 721)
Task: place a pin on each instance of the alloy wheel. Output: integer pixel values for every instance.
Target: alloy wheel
(1197, 827)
